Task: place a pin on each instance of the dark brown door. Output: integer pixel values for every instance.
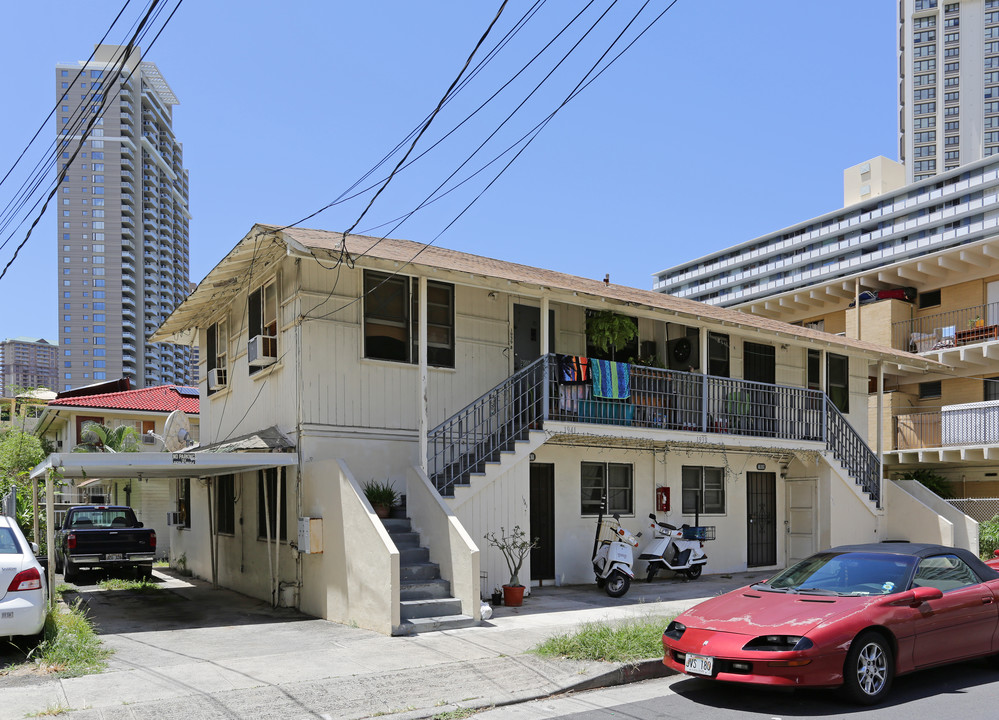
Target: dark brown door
(761, 519)
(543, 521)
(760, 366)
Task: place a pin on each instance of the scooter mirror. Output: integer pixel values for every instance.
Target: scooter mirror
(616, 516)
(652, 516)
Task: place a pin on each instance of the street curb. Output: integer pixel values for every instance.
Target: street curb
(621, 675)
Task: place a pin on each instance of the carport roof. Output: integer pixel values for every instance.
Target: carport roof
(160, 464)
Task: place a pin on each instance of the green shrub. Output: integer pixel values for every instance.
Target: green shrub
(988, 537)
(71, 646)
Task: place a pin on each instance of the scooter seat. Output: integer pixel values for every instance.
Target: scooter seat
(666, 526)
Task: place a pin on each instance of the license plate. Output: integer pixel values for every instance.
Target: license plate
(699, 664)
(114, 556)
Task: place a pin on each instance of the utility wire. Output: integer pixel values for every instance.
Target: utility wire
(125, 54)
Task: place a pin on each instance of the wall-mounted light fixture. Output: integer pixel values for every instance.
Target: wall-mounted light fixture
(493, 295)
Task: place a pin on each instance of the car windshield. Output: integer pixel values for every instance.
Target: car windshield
(851, 573)
(8, 542)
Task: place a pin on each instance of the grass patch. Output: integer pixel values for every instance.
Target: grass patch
(627, 641)
(457, 714)
(49, 711)
(71, 646)
(142, 585)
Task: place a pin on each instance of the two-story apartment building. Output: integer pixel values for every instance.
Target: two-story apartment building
(474, 387)
(922, 265)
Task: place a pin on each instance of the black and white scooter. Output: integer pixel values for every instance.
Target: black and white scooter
(613, 556)
(680, 549)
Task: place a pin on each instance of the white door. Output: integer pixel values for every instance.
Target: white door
(800, 519)
(992, 298)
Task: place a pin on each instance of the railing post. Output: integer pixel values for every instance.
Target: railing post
(825, 418)
(546, 388)
(704, 401)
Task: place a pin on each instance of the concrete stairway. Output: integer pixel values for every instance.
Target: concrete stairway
(425, 598)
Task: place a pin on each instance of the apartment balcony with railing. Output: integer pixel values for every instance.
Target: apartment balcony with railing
(958, 328)
(648, 399)
(949, 426)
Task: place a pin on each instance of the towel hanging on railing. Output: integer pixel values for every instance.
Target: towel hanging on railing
(611, 380)
(573, 370)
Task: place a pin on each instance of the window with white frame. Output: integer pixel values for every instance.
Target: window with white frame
(217, 352)
(262, 320)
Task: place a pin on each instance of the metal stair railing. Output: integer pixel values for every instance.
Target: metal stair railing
(853, 452)
(477, 433)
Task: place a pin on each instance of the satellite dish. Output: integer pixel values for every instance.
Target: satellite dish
(177, 432)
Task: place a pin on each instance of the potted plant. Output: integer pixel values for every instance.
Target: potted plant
(609, 332)
(382, 496)
(515, 546)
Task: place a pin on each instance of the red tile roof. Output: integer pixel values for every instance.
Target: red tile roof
(162, 398)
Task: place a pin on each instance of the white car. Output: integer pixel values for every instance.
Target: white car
(22, 583)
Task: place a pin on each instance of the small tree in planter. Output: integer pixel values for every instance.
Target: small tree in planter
(515, 546)
(382, 497)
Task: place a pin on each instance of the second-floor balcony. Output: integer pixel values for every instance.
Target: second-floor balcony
(950, 426)
(943, 331)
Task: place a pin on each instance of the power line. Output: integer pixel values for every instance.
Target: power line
(125, 55)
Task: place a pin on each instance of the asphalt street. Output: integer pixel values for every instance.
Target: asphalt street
(969, 691)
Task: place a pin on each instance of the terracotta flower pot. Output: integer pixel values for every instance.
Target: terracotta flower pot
(513, 595)
(382, 511)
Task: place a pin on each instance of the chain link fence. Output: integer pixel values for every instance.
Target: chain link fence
(980, 509)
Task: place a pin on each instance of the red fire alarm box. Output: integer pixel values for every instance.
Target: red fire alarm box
(662, 499)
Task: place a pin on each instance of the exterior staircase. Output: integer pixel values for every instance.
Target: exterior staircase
(425, 598)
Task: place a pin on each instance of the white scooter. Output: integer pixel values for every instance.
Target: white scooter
(680, 549)
(613, 558)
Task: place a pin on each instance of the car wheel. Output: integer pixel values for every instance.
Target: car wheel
(144, 572)
(869, 669)
(70, 573)
(694, 571)
(58, 563)
(617, 584)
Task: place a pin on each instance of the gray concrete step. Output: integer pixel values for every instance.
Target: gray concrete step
(424, 590)
(397, 524)
(419, 571)
(430, 624)
(413, 555)
(405, 539)
(433, 607)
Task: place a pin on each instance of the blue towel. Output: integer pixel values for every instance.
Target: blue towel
(611, 380)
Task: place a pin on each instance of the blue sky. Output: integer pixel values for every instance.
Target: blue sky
(726, 121)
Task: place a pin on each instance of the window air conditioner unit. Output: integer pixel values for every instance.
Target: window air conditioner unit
(173, 518)
(148, 439)
(261, 351)
(216, 379)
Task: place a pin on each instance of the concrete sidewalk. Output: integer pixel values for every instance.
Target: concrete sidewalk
(190, 651)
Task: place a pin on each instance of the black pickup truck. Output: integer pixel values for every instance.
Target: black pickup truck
(103, 536)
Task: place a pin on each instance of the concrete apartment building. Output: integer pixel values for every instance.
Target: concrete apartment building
(923, 261)
(948, 84)
(123, 223)
(25, 363)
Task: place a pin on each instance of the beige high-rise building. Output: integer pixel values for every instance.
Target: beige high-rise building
(27, 363)
(948, 84)
(123, 223)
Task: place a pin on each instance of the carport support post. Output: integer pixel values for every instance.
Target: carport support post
(34, 509)
(50, 534)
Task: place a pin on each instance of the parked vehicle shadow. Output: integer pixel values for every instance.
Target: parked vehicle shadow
(818, 703)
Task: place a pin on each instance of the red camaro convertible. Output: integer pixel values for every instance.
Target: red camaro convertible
(854, 616)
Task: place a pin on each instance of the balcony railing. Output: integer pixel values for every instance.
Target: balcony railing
(967, 326)
(949, 426)
(657, 399)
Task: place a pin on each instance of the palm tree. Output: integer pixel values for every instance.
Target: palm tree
(101, 438)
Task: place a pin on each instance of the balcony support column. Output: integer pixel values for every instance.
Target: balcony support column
(421, 323)
(881, 428)
(545, 351)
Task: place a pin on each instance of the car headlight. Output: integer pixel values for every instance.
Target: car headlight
(779, 643)
(675, 630)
